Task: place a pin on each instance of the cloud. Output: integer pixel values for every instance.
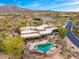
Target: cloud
(34, 4)
(76, 10)
(50, 6)
(63, 5)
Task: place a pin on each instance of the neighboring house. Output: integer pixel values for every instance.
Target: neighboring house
(45, 20)
(37, 19)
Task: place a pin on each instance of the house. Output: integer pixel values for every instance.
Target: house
(36, 31)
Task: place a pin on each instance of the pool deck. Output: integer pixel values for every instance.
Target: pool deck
(32, 45)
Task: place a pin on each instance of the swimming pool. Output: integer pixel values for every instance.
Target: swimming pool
(44, 47)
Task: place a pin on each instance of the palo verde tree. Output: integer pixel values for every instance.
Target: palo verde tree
(62, 32)
(13, 46)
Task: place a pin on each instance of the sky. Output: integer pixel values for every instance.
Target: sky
(54, 5)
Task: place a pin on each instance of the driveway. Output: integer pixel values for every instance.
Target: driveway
(70, 35)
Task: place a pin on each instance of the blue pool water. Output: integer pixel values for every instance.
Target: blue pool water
(44, 47)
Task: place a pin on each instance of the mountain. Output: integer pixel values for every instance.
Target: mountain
(14, 8)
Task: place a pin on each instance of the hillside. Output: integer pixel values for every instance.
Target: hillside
(14, 8)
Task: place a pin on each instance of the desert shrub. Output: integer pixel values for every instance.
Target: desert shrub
(13, 45)
(62, 32)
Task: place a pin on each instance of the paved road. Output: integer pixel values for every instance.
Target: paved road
(70, 35)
